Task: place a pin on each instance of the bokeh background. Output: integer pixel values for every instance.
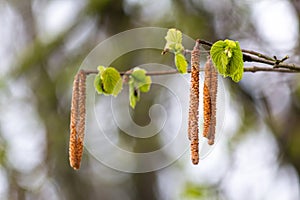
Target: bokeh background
(42, 45)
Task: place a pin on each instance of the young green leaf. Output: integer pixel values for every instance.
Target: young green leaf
(101, 69)
(228, 59)
(231, 44)
(174, 35)
(219, 56)
(108, 81)
(134, 94)
(181, 63)
(98, 84)
(138, 74)
(236, 64)
(146, 87)
(174, 41)
(141, 81)
(112, 81)
(138, 82)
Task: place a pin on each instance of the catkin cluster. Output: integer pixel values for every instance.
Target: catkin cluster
(78, 109)
(77, 122)
(193, 130)
(209, 101)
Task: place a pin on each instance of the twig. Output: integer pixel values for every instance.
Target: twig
(151, 73)
(243, 50)
(260, 55)
(261, 58)
(249, 58)
(280, 61)
(205, 43)
(268, 69)
(170, 72)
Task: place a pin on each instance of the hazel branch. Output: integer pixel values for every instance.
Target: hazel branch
(278, 65)
(254, 56)
(252, 69)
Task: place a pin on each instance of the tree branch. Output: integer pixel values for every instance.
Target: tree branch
(268, 69)
(170, 72)
(248, 56)
(253, 56)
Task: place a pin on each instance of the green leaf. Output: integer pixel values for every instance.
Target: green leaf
(236, 64)
(98, 84)
(108, 81)
(101, 69)
(138, 82)
(174, 35)
(219, 57)
(138, 74)
(231, 44)
(228, 59)
(181, 63)
(146, 87)
(112, 81)
(134, 94)
(174, 41)
(141, 81)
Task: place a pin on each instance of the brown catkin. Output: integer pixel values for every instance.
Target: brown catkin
(213, 95)
(194, 104)
(209, 101)
(206, 108)
(77, 124)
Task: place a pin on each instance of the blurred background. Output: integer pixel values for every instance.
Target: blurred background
(43, 44)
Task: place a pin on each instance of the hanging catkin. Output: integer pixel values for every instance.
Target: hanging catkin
(209, 101)
(206, 99)
(194, 104)
(77, 124)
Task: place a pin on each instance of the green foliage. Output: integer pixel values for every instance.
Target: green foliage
(98, 84)
(193, 191)
(142, 81)
(228, 59)
(174, 41)
(181, 63)
(108, 81)
(134, 94)
(174, 45)
(3, 148)
(138, 82)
